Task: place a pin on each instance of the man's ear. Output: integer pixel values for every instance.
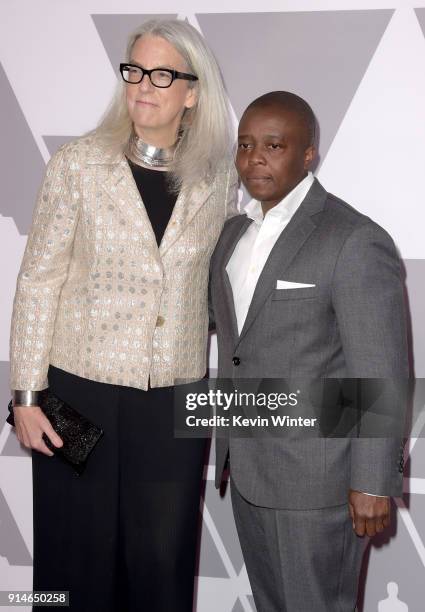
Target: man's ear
(309, 155)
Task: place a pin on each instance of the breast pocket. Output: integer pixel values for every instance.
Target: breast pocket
(299, 293)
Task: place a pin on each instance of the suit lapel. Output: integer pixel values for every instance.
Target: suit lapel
(238, 229)
(285, 249)
(287, 246)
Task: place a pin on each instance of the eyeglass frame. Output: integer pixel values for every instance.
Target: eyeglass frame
(175, 74)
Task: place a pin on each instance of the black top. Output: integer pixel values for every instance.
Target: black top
(158, 201)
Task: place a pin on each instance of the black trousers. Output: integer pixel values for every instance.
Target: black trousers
(122, 537)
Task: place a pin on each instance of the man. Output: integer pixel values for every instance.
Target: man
(303, 285)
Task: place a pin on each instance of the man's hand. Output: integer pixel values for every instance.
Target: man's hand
(370, 514)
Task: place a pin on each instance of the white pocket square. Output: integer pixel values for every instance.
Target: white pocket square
(281, 284)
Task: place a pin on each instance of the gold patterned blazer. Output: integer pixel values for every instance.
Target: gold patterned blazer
(95, 295)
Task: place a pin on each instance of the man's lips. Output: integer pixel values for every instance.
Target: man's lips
(257, 178)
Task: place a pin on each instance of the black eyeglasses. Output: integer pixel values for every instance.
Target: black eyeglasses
(159, 77)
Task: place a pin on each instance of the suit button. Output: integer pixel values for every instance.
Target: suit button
(160, 321)
(236, 361)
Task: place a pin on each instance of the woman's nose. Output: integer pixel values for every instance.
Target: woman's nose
(145, 84)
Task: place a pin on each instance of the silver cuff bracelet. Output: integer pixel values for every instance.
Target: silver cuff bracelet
(25, 398)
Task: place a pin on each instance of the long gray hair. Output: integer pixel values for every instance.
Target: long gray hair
(207, 141)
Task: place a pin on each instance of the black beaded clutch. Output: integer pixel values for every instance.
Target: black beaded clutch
(79, 435)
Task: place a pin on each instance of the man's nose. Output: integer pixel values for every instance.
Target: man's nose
(256, 157)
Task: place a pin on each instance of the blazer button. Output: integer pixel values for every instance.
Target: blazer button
(236, 361)
(160, 321)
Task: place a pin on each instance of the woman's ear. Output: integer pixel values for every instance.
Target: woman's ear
(191, 96)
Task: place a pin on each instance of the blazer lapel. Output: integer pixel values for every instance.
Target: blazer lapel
(188, 203)
(121, 187)
(285, 249)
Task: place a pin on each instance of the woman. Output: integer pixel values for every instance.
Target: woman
(110, 312)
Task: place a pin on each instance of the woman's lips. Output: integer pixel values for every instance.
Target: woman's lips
(144, 103)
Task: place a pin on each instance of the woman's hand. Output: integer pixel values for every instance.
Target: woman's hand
(31, 423)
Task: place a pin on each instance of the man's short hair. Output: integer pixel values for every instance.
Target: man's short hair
(288, 101)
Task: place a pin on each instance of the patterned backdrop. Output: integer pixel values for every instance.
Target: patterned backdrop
(361, 66)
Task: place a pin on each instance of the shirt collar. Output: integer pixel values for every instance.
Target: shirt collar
(285, 209)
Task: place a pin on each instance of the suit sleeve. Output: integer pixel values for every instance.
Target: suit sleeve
(368, 299)
(43, 271)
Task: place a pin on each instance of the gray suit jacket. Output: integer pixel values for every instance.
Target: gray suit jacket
(350, 324)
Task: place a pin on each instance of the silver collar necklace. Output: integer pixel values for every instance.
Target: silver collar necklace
(150, 155)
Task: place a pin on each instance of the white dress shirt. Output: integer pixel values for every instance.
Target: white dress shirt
(253, 249)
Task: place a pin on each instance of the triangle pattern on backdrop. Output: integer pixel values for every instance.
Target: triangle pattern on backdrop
(326, 75)
(18, 150)
(115, 29)
(420, 14)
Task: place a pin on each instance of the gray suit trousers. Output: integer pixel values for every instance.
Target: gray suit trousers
(299, 560)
